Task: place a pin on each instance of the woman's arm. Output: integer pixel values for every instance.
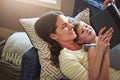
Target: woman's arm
(99, 56)
(95, 56)
(104, 75)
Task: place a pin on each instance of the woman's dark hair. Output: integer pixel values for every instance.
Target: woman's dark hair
(76, 24)
(44, 27)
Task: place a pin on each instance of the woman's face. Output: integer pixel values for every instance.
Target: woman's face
(86, 33)
(64, 31)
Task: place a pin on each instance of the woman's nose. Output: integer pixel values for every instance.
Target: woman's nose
(70, 26)
(87, 29)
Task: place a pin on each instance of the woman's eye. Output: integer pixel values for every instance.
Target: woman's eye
(86, 26)
(81, 32)
(64, 26)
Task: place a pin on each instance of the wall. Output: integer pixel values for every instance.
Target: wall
(11, 11)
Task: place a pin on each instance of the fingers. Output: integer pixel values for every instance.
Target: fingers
(101, 31)
(108, 2)
(108, 33)
(104, 40)
(104, 37)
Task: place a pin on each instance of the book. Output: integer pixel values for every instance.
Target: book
(109, 17)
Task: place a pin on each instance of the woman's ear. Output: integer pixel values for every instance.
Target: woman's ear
(53, 36)
(80, 41)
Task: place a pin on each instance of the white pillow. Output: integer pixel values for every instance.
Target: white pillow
(48, 71)
(16, 45)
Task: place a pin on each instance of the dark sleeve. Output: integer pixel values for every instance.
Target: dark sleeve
(30, 66)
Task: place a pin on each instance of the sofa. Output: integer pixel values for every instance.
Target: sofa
(29, 64)
(10, 62)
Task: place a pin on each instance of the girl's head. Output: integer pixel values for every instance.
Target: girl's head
(85, 33)
(54, 28)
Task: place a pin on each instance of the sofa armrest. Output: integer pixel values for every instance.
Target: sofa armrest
(2, 43)
(30, 66)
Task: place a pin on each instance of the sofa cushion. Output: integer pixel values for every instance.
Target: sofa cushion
(8, 71)
(30, 66)
(83, 4)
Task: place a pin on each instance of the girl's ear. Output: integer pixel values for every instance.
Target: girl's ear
(80, 41)
(53, 36)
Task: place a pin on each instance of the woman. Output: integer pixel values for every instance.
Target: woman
(54, 28)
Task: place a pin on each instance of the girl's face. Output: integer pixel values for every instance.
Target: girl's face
(86, 33)
(64, 31)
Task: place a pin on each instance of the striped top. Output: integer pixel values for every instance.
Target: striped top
(74, 65)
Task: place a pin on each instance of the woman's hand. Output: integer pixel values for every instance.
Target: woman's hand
(106, 36)
(105, 41)
(96, 56)
(106, 3)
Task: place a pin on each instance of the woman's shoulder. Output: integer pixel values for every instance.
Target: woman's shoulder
(70, 53)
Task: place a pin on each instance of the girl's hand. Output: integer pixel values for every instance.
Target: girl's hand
(106, 3)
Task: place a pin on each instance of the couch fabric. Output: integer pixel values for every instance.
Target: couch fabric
(7, 70)
(30, 69)
(16, 45)
(94, 6)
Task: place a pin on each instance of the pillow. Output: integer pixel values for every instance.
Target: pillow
(17, 44)
(82, 16)
(48, 71)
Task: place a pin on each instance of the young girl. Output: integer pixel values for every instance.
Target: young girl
(86, 34)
